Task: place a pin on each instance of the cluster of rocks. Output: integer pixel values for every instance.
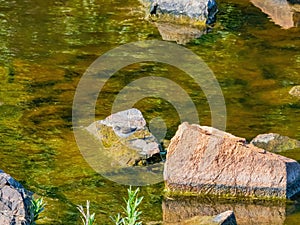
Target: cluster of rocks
(205, 161)
(200, 160)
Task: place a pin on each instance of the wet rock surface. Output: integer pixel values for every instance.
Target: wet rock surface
(14, 202)
(126, 138)
(275, 142)
(204, 160)
(195, 9)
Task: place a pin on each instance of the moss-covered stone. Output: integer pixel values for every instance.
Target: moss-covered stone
(126, 138)
(275, 142)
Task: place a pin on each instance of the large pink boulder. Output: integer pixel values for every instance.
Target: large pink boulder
(205, 160)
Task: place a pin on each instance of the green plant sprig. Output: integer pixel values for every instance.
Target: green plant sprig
(37, 206)
(132, 212)
(86, 217)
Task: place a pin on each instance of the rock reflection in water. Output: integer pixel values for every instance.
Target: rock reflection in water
(182, 34)
(176, 210)
(281, 12)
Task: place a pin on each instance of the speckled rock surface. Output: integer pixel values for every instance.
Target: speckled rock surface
(14, 202)
(204, 160)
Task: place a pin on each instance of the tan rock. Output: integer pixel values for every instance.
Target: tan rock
(295, 91)
(205, 160)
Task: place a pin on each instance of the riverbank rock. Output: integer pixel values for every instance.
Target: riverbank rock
(275, 142)
(14, 201)
(126, 138)
(205, 160)
(295, 91)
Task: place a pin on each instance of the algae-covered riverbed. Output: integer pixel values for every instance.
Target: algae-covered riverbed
(45, 48)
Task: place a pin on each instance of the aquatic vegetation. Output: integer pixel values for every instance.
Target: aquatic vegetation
(37, 206)
(132, 212)
(180, 20)
(86, 217)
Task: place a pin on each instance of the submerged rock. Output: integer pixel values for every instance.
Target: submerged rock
(14, 202)
(205, 160)
(126, 138)
(295, 91)
(275, 142)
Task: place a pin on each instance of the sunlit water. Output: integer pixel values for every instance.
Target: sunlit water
(46, 47)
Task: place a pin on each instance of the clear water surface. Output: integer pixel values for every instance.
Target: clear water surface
(46, 46)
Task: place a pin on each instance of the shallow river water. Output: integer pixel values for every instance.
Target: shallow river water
(45, 48)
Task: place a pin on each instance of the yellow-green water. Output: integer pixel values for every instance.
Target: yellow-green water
(46, 46)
